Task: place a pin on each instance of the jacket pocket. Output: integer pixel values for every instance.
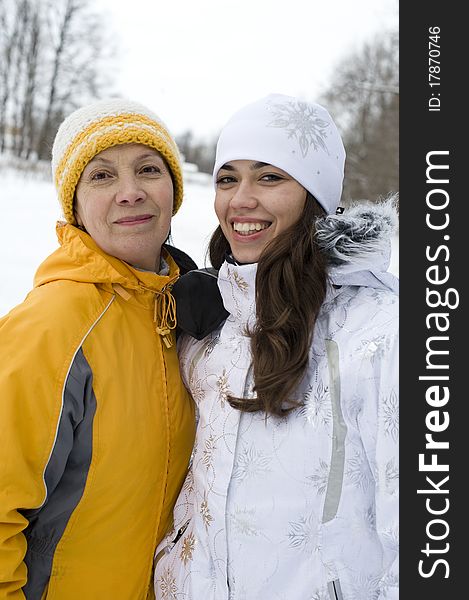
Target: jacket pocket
(334, 589)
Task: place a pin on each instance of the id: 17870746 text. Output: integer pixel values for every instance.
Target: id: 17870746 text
(434, 68)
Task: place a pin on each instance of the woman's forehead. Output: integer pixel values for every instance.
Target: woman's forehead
(131, 150)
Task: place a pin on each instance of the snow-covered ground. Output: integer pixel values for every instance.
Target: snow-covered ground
(29, 210)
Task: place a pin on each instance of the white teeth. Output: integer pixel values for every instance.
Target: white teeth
(246, 227)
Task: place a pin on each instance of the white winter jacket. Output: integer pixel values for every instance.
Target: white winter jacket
(303, 507)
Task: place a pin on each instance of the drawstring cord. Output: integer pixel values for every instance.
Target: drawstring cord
(164, 314)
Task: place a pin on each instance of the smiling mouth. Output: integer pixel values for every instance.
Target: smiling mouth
(134, 220)
(246, 229)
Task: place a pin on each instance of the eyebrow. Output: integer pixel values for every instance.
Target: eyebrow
(150, 155)
(97, 159)
(253, 167)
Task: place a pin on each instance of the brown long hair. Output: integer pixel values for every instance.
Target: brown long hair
(291, 284)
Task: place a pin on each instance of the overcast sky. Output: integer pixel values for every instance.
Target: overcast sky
(195, 62)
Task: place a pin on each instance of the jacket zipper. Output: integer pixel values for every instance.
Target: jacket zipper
(167, 549)
(335, 591)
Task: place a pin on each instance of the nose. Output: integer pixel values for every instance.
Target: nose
(130, 191)
(244, 196)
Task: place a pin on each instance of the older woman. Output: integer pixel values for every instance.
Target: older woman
(293, 489)
(97, 427)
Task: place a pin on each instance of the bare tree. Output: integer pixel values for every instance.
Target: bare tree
(25, 124)
(364, 100)
(10, 28)
(54, 55)
(81, 63)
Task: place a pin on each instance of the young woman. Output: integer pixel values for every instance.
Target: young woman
(293, 488)
(97, 427)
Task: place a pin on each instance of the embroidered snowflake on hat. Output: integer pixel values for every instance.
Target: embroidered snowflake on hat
(302, 122)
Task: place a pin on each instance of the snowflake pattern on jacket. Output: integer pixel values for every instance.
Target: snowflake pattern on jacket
(303, 507)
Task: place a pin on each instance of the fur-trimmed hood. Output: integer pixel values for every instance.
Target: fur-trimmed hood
(358, 244)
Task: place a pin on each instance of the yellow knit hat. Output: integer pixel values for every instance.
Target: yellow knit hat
(98, 126)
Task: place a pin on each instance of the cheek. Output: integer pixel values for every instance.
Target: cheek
(163, 197)
(220, 207)
(163, 206)
(78, 218)
(80, 212)
(168, 190)
(221, 212)
(89, 211)
(296, 206)
(164, 222)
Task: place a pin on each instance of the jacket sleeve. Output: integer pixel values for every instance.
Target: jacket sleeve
(33, 369)
(379, 426)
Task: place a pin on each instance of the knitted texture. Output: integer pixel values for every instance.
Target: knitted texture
(297, 136)
(101, 125)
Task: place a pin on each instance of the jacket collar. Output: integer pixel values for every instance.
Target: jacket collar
(80, 259)
(237, 285)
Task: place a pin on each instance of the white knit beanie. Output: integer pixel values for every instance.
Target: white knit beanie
(297, 136)
(101, 125)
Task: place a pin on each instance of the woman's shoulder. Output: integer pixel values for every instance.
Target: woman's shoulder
(54, 311)
(381, 300)
(360, 312)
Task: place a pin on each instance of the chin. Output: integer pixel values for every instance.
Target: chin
(246, 259)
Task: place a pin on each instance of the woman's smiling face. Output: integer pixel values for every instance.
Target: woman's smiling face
(124, 200)
(255, 202)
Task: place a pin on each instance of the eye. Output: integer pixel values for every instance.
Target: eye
(225, 179)
(99, 175)
(150, 169)
(271, 177)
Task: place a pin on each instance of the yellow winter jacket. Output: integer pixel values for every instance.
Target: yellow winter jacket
(96, 428)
